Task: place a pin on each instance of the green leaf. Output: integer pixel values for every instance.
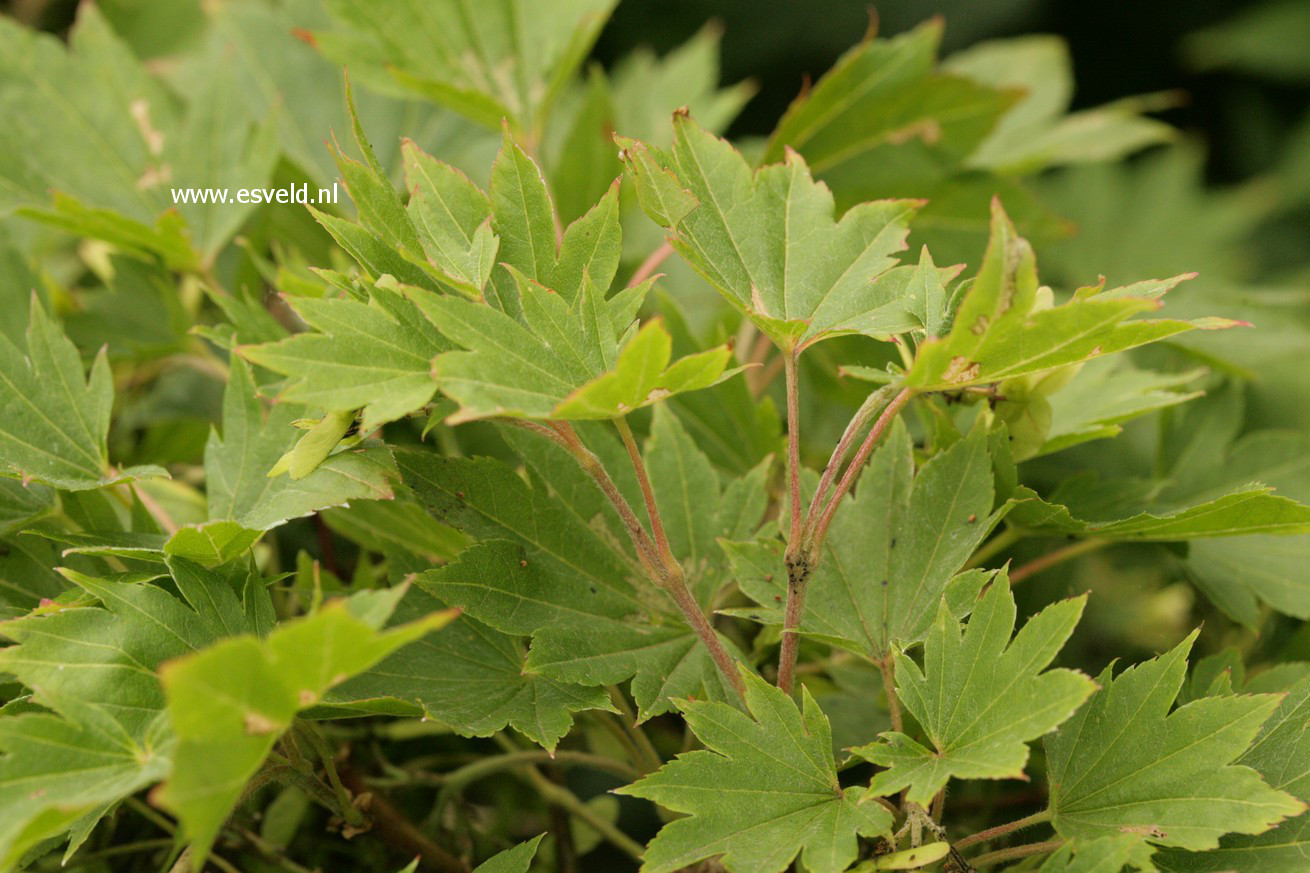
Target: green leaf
(1254, 509)
(1281, 753)
(231, 702)
(384, 525)
(1203, 463)
(543, 570)
(515, 860)
(252, 442)
(211, 543)
(1125, 763)
(768, 241)
(979, 722)
(647, 89)
(1036, 133)
(566, 362)
(892, 549)
(1255, 39)
(22, 503)
(55, 95)
(452, 218)
(1104, 395)
(764, 790)
(116, 184)
(883, 103)
(55, 421)
(468, 676)
(1005, 328)
(376, 356)
(1107, 854)
(510, 60)
(95, 667)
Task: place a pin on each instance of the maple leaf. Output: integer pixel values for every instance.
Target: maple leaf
(63, 443)
(1006, 327)
(768, 240)
(469, 676)
(1125, 763)
(229, 703)
(894, 549)
(764, 790)
(106, 735)
(979, 721)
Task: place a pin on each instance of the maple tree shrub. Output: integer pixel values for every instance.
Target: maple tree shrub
(589, 492)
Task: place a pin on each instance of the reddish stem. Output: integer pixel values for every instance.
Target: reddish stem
(647, 492)
(1059, 556)
(819, 529)
(659, 563)
(651, 264)
(798, 571)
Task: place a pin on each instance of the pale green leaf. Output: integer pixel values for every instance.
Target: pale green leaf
(515, 860)
(1105, 394)
(545, 571)
(1107, 854)
(54, 420)
(881, 96)
(452, 218)
(1036, 133)
(230, 703)
(237, 463)
(1003, 330)
(376, 356)
(508, 60)
(95, 667)
(1281, 753)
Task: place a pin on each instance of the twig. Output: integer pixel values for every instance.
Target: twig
(456, 780)
(660, 564)
(1059, 556)
(84, 858)
(271, 852)
(647, 554)
(1001, 830)
(348, 810)
(819, 529)
(392, 826)
(793, 449)
(798, 570)
(875, 401)
(994, 546)
(889, 687)
(183, 863)
(1016, 853)
(143, 809)
(647, 492)
(628, 720)
(569, 802)
(651, 264)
